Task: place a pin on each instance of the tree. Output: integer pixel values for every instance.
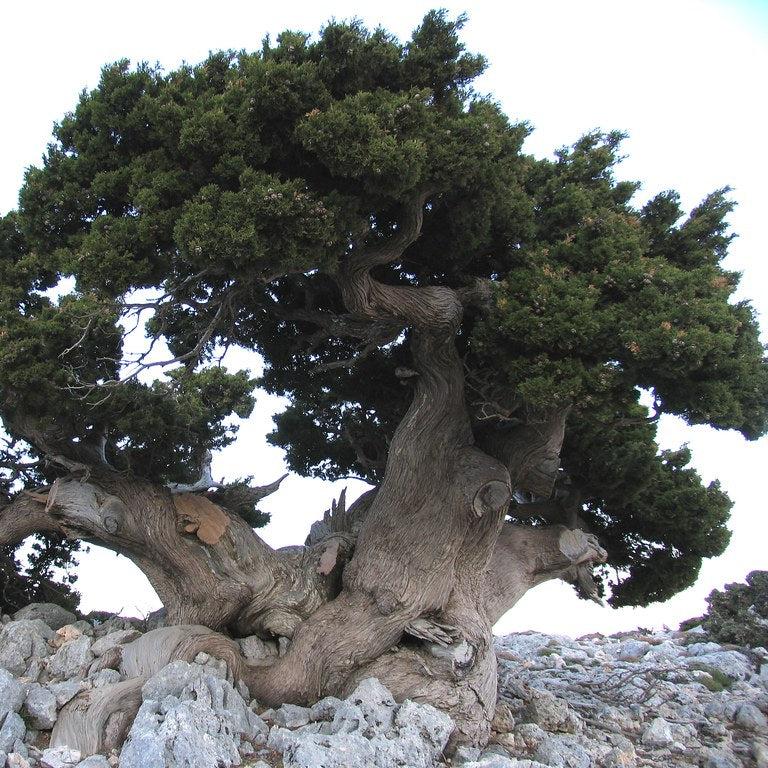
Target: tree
(464, 326)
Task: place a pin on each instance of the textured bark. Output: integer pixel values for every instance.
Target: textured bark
(207, 566)
(432, 563)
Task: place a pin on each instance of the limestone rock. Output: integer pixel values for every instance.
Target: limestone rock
(22, 643)
(11, 694)
(41, 707)
(658, 733)
(60, 757)
(53, 615)
(72, 659)
(751, 718)
(12, 732)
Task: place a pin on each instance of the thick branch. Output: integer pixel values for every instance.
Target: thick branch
(527, 556)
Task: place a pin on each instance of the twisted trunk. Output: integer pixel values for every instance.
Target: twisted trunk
(432, 567)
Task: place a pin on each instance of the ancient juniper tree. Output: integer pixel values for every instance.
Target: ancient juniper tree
(461, 324)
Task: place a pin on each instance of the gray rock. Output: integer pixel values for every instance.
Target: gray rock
(751, 718)
(64, 691)
(720, 758)
(94, 761)
(41, 707)
(60, 757)
(105, 677)
(12, 694)
(113, 639)
(562, 752)
(530, 734)
(190, 717)
(658, 733)
(16, 760)
(72, 659)
(12, 731)
(632, 650)
(760, 753)
(291, 716)
(53, 615)
(551, 713)
(499, 761)
(376, 703)
(465, 754)
(256, 649)
(304, 750)
(325, 709)
(348, 718)
(21, 642)
(172, 679)
(731, 663)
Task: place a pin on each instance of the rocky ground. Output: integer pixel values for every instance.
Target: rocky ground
(638, 699)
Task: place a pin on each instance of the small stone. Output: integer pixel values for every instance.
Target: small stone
(465, 755)
(17, 760)
(60, 757)
(53, 615)
(11, 732)
(41, 707)
(563, 752)
(632, 650)
(719, 758)
(325, 709)
(65, 635)
(658, 733)
(749, 717)
(291, 716)
(11, 693)
(64, 691)
(256, 649)
(94, 761)
(760, 753)
(72, 659)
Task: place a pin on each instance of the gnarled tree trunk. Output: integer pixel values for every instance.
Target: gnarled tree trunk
(412, 597)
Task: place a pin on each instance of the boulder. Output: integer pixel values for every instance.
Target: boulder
(53, 615)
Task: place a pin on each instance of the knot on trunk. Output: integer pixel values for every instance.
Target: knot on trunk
(491, 498)
(196, 514)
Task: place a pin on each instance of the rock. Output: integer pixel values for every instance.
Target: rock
(658, 733)
(465, 754)
(760, 753)
(256, 649)
(12, 732)
(17, 760)
(749, 717)
(562, 752)
(376, 703)
(291, 716)
(633, 650)
(550, 713)
(530, 735)
(190, 717)
(41, 707)
(66, 634)
(498, 761)
(94, 761)
(113, 639)
(719, 758)
(317, 751)
(23, 642)
(64, 691)
(12, 694)
(72, 659)
(325, 709)
(60, 757)
(105, 677)
(53, 615)
(733, 664)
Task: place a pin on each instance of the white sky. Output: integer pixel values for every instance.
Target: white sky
(684, 78)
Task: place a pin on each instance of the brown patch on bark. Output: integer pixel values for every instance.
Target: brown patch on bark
(198, 515)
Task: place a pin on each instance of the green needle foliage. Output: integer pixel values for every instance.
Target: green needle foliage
(223, 197)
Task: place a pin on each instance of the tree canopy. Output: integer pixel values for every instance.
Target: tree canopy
(214, 205)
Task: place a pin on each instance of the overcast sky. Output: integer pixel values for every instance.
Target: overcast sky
(683, 78)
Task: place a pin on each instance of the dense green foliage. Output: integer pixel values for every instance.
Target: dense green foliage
(226, 195)
(739, 613)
